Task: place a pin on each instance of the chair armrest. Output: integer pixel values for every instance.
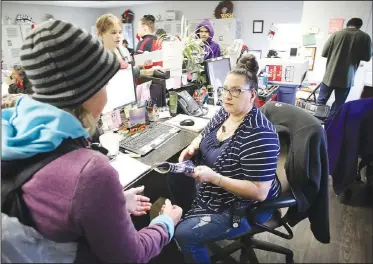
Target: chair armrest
(283, 201)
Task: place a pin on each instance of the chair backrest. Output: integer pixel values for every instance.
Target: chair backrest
(288, 120)
(281, 173)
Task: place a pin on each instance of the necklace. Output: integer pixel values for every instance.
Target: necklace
(225, 130)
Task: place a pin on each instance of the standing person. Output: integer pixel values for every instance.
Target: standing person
(78, 196)
(344, 50)
(19, 82)
(205, 31)
(160, 33)
(125, 45)
(109, 31)
(148, 40)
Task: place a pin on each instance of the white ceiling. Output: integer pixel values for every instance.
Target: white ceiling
(91, 4)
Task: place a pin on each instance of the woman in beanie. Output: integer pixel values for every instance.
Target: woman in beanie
(76, 197)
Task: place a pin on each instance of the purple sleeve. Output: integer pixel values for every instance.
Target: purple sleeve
(217, 51)
(99, 211)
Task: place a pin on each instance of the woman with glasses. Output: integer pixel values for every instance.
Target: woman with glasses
(237, 157)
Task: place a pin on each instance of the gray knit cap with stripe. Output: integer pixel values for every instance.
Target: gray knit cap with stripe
(66, 64)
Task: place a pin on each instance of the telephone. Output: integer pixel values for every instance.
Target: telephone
(188, 105)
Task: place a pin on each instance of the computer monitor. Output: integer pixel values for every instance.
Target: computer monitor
(293, 52)
(217, 71)
(257, 53)
(120, 90)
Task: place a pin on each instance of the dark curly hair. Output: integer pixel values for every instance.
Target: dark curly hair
(248, 67)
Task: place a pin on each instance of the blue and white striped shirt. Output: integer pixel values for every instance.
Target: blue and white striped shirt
(250, 154)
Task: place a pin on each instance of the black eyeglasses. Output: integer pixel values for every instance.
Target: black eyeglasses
(234, 92)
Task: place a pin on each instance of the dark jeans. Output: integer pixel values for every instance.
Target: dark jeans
(341, 95)
(182, 190)
(193, 232)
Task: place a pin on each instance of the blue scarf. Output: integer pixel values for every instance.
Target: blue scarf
(32, 127)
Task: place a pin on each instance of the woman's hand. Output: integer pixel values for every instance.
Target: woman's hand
(205, 174)
(123, 64)
(172, 211)
(187, 153)
(137, 204)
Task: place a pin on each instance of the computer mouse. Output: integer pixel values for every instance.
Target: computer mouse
(187, 122)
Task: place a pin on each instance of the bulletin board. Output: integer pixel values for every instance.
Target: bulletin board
(310, 54)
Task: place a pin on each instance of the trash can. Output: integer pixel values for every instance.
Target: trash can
(287, 94)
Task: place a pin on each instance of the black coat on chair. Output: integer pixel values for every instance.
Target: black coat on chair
(306, 166)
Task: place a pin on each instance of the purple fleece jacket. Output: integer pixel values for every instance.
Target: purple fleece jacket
(79, 195)
(212, 49)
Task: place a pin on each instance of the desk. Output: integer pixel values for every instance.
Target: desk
(169, 151)
(170, 148)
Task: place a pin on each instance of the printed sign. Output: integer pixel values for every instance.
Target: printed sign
(335, 25)
(274, 73)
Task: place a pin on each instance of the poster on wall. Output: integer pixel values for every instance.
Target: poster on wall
(335, 25)
(26, 30)
(11, 44)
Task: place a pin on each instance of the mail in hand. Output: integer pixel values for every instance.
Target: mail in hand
(165, 167)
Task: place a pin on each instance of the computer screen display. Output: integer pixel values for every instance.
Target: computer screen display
(217, 71)
(120, 90)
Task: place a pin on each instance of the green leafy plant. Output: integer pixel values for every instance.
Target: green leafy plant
(193, 51)
(224, 50)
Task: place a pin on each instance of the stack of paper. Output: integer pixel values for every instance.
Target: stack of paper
(129, 169)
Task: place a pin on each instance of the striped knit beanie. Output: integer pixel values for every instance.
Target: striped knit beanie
(65, 64)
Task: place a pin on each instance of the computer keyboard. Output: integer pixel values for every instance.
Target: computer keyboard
(150, 138)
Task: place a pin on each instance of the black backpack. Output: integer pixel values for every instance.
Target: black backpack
(20, 172)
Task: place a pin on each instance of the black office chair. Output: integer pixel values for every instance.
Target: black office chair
(245, 242)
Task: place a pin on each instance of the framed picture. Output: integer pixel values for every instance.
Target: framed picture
(310, 54)
(258, 26)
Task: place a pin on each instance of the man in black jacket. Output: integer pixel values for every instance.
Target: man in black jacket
(306, 166)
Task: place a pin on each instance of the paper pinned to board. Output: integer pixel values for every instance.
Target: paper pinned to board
(129, 169)
(173, 57)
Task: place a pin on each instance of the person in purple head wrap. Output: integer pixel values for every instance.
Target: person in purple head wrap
(205, 31)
